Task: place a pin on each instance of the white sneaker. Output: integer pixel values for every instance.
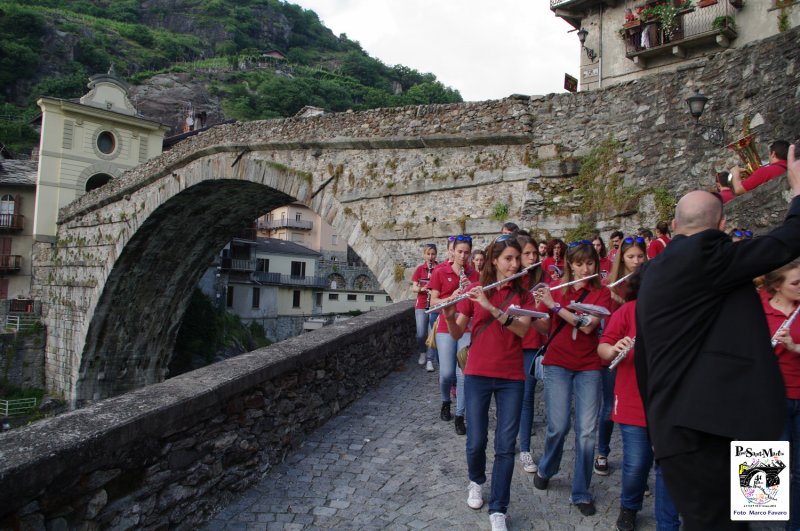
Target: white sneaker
(475, 497)
(429, 366)
(498, 521)
(422, 358)
(527, 462)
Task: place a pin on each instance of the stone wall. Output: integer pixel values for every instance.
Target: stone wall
(22, 359)
(169, 455)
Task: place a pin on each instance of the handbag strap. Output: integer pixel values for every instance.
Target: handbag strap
(563, 323)
(474, 336)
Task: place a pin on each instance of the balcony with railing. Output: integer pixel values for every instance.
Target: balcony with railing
(10, 263)
(647, 37)
(237, 264)
(283, 223)
(11, 222)
(288, 280)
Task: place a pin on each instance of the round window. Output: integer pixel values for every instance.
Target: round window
(106, 142)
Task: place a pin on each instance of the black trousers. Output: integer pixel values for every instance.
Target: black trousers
(699, 484)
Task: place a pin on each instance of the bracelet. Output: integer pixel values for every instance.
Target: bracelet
(509, 320)
(499, 313)
(556, 308)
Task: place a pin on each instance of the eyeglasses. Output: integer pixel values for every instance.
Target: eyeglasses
(460, 238)
(504, 238)
(579, 242)
(629, 241)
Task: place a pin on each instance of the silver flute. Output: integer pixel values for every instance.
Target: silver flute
(564, 285)
(620, 281)
(621, 356)
(484, 288)
(784, 326)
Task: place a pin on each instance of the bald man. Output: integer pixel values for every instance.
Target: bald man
(705, 368)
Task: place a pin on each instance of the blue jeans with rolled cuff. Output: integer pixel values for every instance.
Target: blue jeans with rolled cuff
(424, 324)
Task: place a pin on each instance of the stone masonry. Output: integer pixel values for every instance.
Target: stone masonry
(116, 282)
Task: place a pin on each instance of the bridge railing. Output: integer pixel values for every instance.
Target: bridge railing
(168, 455)
(19, 406)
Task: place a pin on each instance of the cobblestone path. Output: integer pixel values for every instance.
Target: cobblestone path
(388, 462)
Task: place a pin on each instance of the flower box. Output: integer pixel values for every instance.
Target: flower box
(706, 3)
(632, 24)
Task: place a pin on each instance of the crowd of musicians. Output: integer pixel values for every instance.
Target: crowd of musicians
(564, 313)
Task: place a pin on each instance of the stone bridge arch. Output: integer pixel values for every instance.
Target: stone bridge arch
(116, 282)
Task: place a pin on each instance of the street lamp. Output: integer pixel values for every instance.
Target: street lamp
(582, 33)
(697, 104)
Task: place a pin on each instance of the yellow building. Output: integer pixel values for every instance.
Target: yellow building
(86, 143)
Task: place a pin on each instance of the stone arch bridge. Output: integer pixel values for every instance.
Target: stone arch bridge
(116, 282)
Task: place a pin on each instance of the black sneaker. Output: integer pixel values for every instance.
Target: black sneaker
(461, 429)
(626, 520)
(539, 482)
(601, 465)
(586, 508)
(445, 414)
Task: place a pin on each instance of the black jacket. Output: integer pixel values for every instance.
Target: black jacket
(704, 361)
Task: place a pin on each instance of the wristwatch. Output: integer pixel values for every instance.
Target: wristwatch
(556, 308)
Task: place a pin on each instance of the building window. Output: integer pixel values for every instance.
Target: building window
(333, 296)
(351, 297)
(256, 297)
(369, 298)
(334, 239)
(297, 217)
(388, 299)
(318, 298)
(297, 237)
(298, 269)
(229, 297)
(97, 180)
(106, 142)
(296, 298)
(262, 264)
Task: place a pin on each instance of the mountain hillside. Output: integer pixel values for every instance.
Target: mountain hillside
(225, 59)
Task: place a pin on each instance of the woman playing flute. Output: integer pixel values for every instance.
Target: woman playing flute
(571, 367)
(419, 285)
(781, 297)
(554, 263)
(628, 412)
(445, 283)
(602, 252)
(631, 254)
(494, 368)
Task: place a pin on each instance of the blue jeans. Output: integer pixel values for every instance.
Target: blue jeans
(791, 433)
(637, 457)
(508, 401)
(526, 414)
(424, 323)
(449, 372)
(605, 425)
(667, 518)
(559, 386)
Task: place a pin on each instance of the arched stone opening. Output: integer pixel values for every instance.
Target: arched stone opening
(363, 283)
(97, 180)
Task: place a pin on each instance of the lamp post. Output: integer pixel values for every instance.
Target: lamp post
(590, 53)
(697, 104)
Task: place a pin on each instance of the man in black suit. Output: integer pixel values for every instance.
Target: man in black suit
(705, 368)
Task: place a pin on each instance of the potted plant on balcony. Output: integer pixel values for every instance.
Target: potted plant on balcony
(724, 22)
(667, 16)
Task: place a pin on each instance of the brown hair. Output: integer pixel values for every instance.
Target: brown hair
(535, 275)
(581, 252)
(773, 279)
(618, 267)
(489, 272)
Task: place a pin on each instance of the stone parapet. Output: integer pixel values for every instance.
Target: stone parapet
(167, 455)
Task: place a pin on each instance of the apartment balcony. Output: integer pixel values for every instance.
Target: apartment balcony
(11, 222)
(573, 11)
(246, 235)
(288, 280)
(274, 224)
(10, 263)
(697, 27)
(236, 264)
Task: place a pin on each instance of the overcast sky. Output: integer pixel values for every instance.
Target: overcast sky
(485, 49)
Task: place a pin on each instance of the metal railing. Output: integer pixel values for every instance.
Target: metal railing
(20, 406)
(10, 262)
(12, 221)
(21, 322)
(288, 223)
(289, 280)
(236, 264)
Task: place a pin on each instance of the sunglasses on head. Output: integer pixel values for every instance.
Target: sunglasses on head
(460, 238)
(504, 238)
(579, 242)
(743, 233)
(637, 239)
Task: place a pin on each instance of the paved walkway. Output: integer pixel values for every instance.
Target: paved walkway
(388, 462)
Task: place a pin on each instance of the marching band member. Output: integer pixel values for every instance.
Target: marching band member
(477, 260)
(494, 368)
(446, 281)
(571, 366)
(553, 265)
(419, 285)
(602, 252)
(781, 300)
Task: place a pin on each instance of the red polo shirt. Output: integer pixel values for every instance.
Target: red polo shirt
(726, 194)
(497, 351)
(579, 354)
(548, 261)
(764, 174)
(628, 408)
(789, 362)
(422, 273)
(446, 281)
(656, 246)
(605, 266)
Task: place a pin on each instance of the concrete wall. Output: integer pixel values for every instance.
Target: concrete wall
(166, 456)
